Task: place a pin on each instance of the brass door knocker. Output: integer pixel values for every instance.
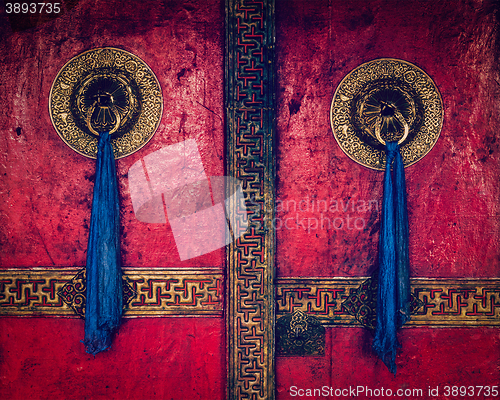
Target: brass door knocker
(386, 100)
(386, 115)
(105, 89)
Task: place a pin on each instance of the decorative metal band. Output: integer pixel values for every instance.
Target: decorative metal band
(352, 301)
(148, 293)
(250, 130)
(195, 292)
(198, 292)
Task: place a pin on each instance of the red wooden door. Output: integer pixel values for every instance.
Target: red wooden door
(171, 344)
(452, 192)
(328, 206)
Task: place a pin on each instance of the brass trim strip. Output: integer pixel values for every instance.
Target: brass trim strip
(199, 292)
(249, 69)
(154, 292)
(440, 302)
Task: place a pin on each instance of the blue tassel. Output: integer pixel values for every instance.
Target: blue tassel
(103, 307)
(393, 297)
(402, 242)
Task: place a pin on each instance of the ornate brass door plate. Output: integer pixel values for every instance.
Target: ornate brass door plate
(105, 89)
(386, 100)
(299, 334)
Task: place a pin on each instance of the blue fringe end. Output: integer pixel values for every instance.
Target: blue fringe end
(393, 297)
(103, 307)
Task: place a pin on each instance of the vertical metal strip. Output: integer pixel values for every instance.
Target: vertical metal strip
(250, 99)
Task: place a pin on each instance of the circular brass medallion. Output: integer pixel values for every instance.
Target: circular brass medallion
(105, 89)
(393, 97)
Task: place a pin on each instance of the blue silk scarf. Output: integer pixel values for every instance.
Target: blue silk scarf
(393, 297)
(103, 307)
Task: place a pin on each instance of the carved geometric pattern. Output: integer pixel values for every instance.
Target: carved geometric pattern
(153, 292)
(321, 297)
(34, 292)
(250, 130)
(459, 302)
(175, 292)
(435, 302)
(162, 292)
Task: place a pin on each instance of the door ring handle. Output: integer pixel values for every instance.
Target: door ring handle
(89, 117)
(378, 127)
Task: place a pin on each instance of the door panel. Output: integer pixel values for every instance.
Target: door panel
(328, 206)
(47, 193)
(322, 272)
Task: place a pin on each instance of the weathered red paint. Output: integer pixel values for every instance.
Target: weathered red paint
(432, 358)
(48, 187)
(46, 191)
(152, 358)
(453, 193)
